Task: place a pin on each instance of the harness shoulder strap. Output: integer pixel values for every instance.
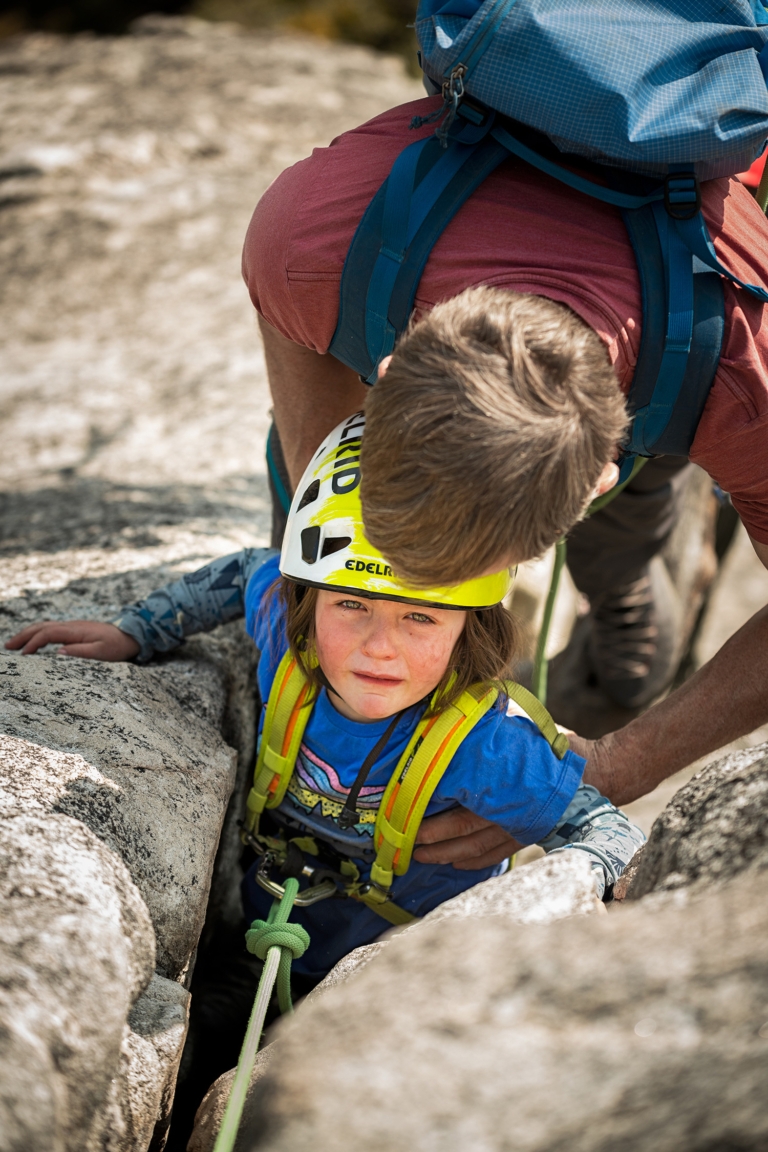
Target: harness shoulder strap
(421, 767)
(287, 714)
(558, 741)
(411, 786)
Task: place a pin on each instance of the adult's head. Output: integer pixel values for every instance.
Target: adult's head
(486, 438)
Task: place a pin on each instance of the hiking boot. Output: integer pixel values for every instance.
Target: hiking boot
(636, 637)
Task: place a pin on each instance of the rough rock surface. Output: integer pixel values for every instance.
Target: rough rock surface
(76, 949)
(540, 893)
(134, 408)
(627, 1031)
(153, 1040)
(136, 755)
(211, 1111)
(714, 827)
(132, 373)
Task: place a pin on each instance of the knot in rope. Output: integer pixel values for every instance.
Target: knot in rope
(261, 936)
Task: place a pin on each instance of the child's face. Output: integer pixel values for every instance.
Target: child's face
(382, 656)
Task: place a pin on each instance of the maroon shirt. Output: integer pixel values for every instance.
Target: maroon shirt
(525, 232)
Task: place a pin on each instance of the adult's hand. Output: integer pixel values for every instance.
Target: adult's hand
(89, 639)
(461, 838)
(727, 698)
(469, 842)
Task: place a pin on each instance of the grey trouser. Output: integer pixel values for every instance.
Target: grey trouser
(612, 547)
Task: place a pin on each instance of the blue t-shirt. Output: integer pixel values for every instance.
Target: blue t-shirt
(504, 771)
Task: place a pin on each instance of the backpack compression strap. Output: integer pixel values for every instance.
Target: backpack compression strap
(288, 711)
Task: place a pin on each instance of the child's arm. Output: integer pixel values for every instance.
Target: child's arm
(196, 603)
(591, 824)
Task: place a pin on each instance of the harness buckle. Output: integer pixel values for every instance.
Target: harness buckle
(682, 195)
(374, 892)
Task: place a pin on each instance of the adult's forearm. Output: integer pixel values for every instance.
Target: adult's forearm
(725, 699)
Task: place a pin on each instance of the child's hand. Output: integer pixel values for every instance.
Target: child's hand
(89, 639)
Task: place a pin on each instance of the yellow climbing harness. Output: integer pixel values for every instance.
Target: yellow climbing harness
(419, 770)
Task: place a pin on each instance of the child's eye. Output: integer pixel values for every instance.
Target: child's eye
(420, 618)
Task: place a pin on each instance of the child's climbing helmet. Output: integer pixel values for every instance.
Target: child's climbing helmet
(325, 546)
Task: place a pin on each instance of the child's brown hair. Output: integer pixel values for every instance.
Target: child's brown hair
(485, 438)
(483, 654)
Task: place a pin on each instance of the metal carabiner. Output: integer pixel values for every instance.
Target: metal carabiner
(453, 91)
(321, 891)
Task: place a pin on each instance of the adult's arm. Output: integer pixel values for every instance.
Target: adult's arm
(725, 699)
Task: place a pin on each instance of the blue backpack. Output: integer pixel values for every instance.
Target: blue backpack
(649, 96)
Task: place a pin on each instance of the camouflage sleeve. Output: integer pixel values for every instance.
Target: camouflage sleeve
(196, 603)
(592, 824)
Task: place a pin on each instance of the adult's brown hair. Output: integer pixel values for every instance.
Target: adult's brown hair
(487, 435)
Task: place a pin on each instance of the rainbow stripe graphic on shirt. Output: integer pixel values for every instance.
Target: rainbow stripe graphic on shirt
(315, 785)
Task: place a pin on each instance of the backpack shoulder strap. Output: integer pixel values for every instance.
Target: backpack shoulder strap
(288, 710)
(423, 192)
(683, 312)
(421, 767)
(682, 333)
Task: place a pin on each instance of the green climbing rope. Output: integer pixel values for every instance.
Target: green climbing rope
(274, 932)
(540, 662)
(277, 943)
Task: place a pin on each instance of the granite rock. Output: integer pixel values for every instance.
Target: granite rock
(136, 755)
(715, 827)
(76, 950)
(539, 893)
(626, 1031)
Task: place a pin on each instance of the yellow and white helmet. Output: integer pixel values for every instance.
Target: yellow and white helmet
(325, 547)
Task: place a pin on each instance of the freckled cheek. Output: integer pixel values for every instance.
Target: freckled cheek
(429, 659)
(334, 647)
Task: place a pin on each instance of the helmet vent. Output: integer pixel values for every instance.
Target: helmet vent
(311, 494)
(310, 543)
(334, 544)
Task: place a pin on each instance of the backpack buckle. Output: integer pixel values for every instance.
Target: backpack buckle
(682, 195)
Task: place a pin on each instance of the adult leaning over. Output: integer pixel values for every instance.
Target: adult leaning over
(499, 417)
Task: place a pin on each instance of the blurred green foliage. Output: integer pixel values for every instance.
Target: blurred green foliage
(105, 16)
(381, 24)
